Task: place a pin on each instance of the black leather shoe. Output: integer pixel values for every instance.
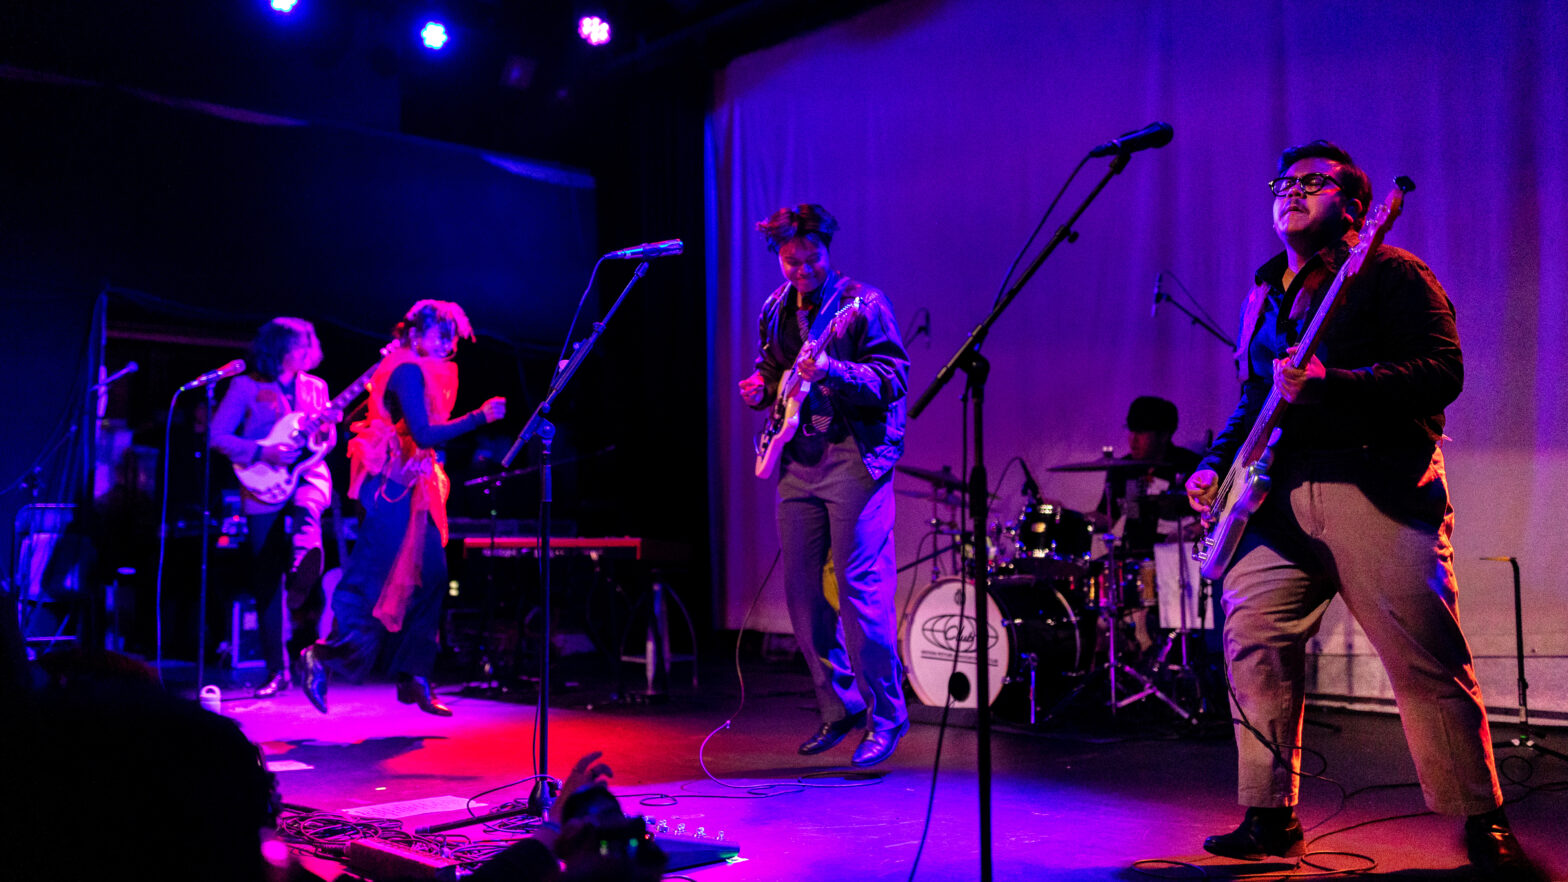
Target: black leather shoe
(276, 685)
(315, 678)
(416, 690)
(1263, 833)
(878, 745)
(830, 734)
(1490, 843)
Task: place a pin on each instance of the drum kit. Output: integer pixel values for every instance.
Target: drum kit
(1060, 619)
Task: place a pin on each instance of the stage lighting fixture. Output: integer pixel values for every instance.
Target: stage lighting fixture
(594, 29)
(283, 6)
(433, 34)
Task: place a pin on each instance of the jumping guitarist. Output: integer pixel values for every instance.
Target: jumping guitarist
(835, 489)
(1358, 507)
(284, 537)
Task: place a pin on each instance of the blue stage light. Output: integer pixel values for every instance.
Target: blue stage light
(433, 34)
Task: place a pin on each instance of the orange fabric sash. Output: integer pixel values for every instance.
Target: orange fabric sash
(382, 447)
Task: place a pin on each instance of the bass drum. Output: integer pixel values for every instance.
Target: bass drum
(1033, 628)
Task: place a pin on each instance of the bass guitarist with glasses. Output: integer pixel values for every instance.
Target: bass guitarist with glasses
(833, 369)
(1356, 507)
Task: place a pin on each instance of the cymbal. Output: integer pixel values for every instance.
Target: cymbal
(1105, 463)
(939, 495)
(945, 478)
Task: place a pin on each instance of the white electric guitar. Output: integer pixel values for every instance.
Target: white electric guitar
(784, 417)
(313, 435)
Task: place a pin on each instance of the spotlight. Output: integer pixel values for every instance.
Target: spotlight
(593, 29)
(433, 34)
(283, 6)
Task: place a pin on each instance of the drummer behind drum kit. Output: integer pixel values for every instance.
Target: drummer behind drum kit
(1055, 614)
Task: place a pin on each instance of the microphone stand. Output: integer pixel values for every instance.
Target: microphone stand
(1196, 319)
(206, 527)
(1525, 737)
(977, 368)
(539, 427)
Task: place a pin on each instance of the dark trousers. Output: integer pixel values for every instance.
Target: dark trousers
(357, 635)
(835, 507)
(285, 547)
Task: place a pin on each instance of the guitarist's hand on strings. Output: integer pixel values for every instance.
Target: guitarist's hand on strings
(753, 390)
(1298, 385)
(813, 369)
(1201, 488)
(281, 455)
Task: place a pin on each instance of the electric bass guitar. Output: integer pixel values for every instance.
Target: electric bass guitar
(784, 418)
(1247, 482)
(313, 435)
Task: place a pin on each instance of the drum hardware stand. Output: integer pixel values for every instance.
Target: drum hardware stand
(976, 368)
(1031, 663)
(1184, 630)
(1525, 738)
(1111, 612)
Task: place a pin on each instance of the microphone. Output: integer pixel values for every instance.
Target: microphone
(131, 367)
(237, 366)
(648, 250)
(1156, 307)
(1031, 489)
(1150, 136)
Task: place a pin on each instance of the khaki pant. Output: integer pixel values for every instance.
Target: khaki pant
(1373, 529)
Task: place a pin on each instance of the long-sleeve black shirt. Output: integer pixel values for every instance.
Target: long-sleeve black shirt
(1391, 357)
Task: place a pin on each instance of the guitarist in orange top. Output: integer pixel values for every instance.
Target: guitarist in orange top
(835, 489)
(1358, 509)
(284, 538)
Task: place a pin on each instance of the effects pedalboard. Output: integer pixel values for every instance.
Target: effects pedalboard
(376, 859)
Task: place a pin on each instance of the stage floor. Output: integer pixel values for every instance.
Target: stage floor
(1086, 799)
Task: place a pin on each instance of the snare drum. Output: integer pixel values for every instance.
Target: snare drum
(1037, 634)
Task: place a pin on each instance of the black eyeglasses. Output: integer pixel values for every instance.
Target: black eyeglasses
(1310, 183)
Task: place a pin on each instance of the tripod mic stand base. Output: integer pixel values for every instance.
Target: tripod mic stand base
(1526, 740)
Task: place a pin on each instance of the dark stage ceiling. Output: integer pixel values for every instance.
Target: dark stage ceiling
(513, 77)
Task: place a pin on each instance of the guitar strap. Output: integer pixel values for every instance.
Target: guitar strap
(826, 309)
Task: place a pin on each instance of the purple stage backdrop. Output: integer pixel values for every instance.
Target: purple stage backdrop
(938, 130)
